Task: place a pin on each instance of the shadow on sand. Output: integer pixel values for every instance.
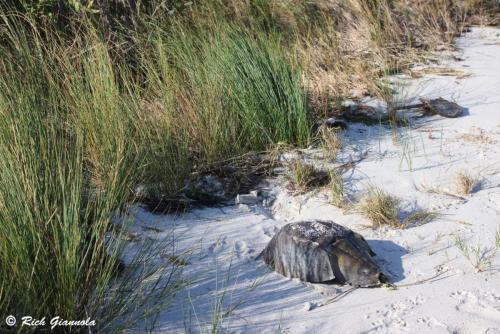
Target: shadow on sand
(388, 256)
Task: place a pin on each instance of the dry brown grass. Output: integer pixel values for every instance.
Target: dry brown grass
(380, 208)
(439, 71)
(438, 191)
(477, 135)
(331, 143)
(465, 183)
(497, 237)
(345, 46)
(337, 189)
(362, 41)
(304, 177)
(420, 217)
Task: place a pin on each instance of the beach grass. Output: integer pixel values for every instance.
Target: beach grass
(96, 104)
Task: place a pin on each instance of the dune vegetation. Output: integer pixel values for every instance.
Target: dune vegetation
(98, 101)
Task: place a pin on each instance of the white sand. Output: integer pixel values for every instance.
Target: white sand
(462, 301)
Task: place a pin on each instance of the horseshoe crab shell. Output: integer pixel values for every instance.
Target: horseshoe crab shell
(322, 251)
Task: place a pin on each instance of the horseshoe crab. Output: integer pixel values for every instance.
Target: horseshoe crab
(322, 251)
(442, 107)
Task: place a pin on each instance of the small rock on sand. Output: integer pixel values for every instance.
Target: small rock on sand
(248, 199)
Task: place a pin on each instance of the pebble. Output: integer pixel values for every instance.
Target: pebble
(248, 199)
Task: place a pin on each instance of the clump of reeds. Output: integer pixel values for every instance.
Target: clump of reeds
(69, 156)
(84, 120)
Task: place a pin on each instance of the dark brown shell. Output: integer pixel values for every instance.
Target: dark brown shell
(442, 107)
(321, 251)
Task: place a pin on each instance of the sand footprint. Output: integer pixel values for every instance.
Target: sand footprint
(241, 249)
(486, 303)
(217, 246)
(392, 317)
(431, 322)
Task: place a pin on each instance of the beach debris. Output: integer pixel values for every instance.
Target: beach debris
(268, 202)
(157, 199)
(308, 306)
(335, 123)
(322, 251)
(362, 113)
(269, 198)
(493, 331)
(212, 189)
(332, 123)
(439, 106)
(442, 108)
(248, 199)
(370, 115)
(254, 197)
(132, 237)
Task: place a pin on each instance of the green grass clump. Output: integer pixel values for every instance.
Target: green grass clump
(80, 131)
(237, 91)
(156, 94)
(69, 156)
(214, 95)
